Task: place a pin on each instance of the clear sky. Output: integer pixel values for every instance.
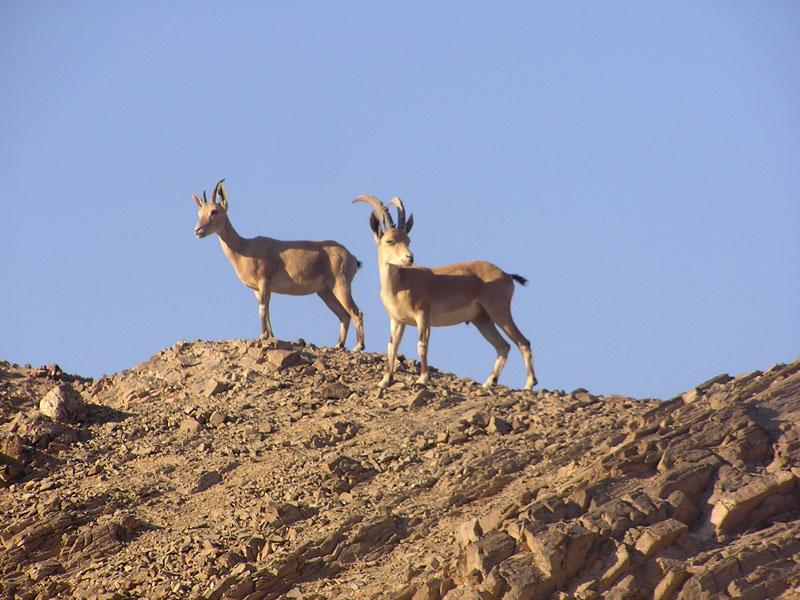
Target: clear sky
(638, 162)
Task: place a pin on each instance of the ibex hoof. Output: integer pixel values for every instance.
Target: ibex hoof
(358, 348)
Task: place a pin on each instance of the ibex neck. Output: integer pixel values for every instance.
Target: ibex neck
(231, 241)
(389, 275)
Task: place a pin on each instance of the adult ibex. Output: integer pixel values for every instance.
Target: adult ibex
(266, 265)
(474, 292)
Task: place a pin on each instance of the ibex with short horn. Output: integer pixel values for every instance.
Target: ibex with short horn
(266, 265)
(474, 292)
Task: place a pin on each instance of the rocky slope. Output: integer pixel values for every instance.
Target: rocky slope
(241, 470)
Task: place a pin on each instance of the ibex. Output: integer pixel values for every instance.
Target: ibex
(474, 292)
(266, 265)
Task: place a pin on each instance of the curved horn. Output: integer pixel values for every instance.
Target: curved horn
(401, 212)
(205, 200)
(381, 211)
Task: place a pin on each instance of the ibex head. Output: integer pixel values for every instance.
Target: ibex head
(212, 214)
(392, 240)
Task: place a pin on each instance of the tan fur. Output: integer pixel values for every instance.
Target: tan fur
(266, 265)
(475, 292)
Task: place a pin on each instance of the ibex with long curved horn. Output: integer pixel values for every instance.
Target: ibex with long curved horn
(474, 292)
(266, 265)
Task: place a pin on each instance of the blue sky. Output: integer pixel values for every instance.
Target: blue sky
(637, 162)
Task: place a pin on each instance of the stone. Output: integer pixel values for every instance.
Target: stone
(64, 404)
(283, 514)
(522, 579)
(560, 549)
(334, 391)
(475, 417)
(615, 566)
(670, 584)
(488, 551)
(430, 590)
(283, 359)
(420, 398)
(190, 425)
(498, 425)
(659, 535)
(732, 509)
(216, 419)
(468, 532)
(213, 387)
(683, 509)
(206, 480)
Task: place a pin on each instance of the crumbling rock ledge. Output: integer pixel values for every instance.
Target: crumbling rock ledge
(247, 470)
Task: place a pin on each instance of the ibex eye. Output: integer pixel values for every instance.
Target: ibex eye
(214, 212)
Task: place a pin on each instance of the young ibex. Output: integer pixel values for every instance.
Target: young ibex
(474, 292)
(266, 265)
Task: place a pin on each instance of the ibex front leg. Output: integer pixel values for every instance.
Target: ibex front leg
(424, 327)
(394, 342)
(263, 297)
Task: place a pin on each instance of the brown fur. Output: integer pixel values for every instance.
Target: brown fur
(475, 292)
(266, 265)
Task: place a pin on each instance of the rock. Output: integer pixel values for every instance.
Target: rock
(206, 480)
(310, 466)
(683, 509)
(283, 359)
(468, 532)
(560, 549)
(475, 417)
(670, 583)
(488, 551)
(283, 514)
(44, 569)
(190, 425)
(615, 566)
(420, 398)
(498, 425)
(522, 579)
(64, 404)
(216, 419)
(213, 387)
(657, 536)
(430, 590)
(334, 391)
(731, 511)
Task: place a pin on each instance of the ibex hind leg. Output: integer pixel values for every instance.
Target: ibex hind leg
(345, 298)
(336, 307)
(504, 320)
(488, 330)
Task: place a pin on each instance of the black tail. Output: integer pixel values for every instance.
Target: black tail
(519, 279)
(359, 264)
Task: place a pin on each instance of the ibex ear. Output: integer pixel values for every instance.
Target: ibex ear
(409, 223)
(197, 200)
(219, 191)
(375, 225)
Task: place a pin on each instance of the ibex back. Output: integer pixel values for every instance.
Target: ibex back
(266, 265)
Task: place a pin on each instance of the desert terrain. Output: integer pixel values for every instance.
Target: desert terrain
(250, 470)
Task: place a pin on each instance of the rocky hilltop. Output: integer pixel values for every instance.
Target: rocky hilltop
(250, 471)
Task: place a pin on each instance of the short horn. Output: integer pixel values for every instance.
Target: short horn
(401, 212)
(205, 200)
(216, 189)
(381, 211)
